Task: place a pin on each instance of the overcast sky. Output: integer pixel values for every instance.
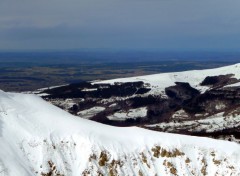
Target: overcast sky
(120, 24)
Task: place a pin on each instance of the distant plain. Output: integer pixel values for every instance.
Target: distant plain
(27, 71)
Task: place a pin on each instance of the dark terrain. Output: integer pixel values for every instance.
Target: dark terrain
(160, 109)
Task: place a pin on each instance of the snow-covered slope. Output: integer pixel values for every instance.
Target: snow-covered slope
(37, 138)
(158, 82)
(196, 102)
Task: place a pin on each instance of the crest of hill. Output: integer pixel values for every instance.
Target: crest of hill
(37, 138)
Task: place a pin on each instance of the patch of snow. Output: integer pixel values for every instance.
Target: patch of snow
(131, 114)
(180, 114)
(90, 112)
(112, 105)
(233, 85)
(89, 90)
(220, 106)
(213, 123)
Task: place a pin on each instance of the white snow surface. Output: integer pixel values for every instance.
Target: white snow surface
(34, 132)
(160, 81)
(90, 112)
(130, 114)
(233, 85)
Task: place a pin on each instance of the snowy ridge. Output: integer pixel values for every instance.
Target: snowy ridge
(160, 81)
(37, 138)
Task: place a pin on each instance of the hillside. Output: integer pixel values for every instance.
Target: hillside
(197, 102)
(37, 138)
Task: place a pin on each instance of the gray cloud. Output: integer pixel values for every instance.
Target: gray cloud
(167, 24)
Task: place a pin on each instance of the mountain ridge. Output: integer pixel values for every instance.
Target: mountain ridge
(199, 102)
(38, 138)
